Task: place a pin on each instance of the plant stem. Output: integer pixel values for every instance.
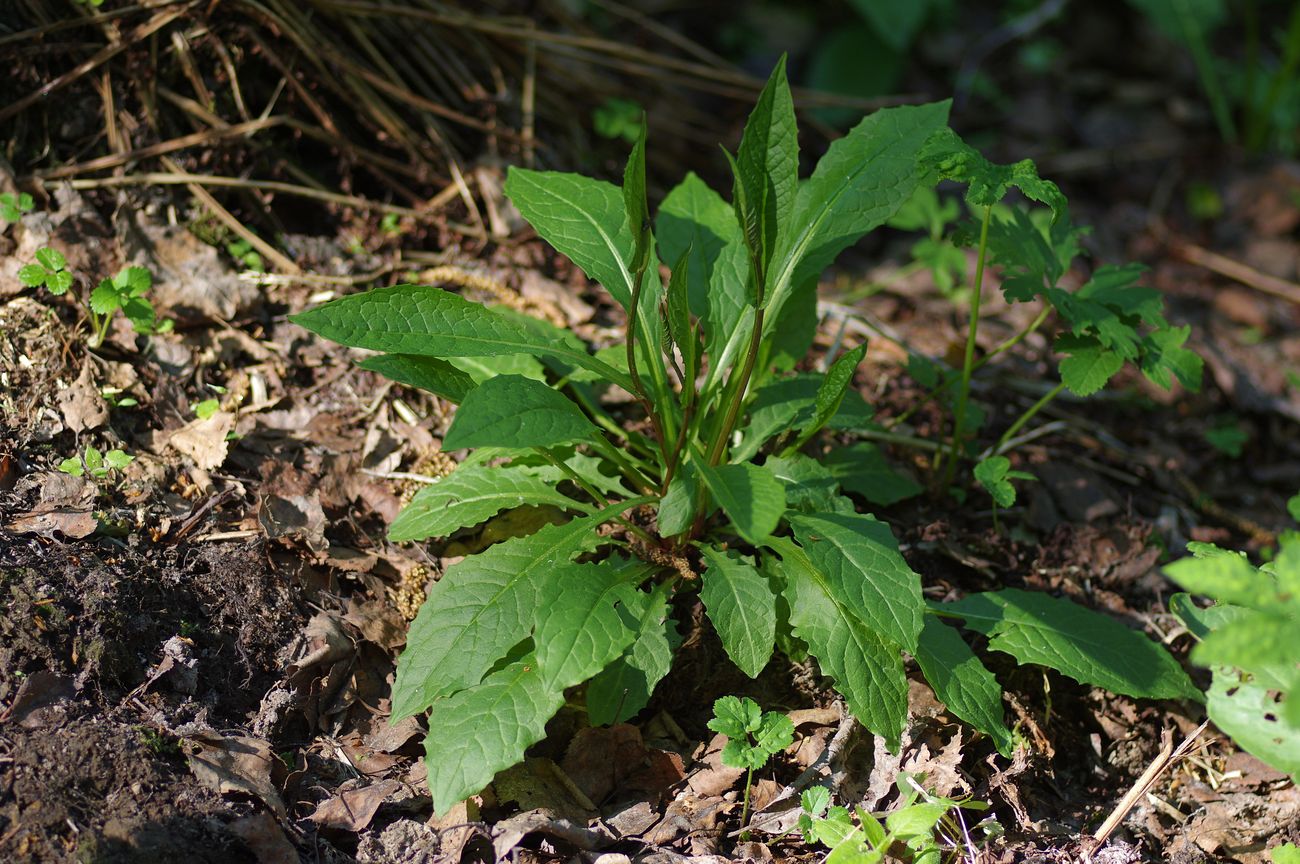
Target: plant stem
(744, 809)
(737, 395)
(634, 318)
(1027, 416)
(968, 361)
(574, 476)
(1005, 346)
(644, 486)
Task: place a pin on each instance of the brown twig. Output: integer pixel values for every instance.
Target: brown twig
(1236, 271)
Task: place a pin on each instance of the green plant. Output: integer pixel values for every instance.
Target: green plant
(1227, 436)
(753, 737)
(94, 463)
(936, 251)
(1286, 853)
(205, 409)
(125, 292)
(1247, 638)
(243, 252)
(714, 480)
(12, 207)
(921, 822)
(49, 270)
(618, 118)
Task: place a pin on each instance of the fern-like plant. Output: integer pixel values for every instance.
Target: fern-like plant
(715, 480)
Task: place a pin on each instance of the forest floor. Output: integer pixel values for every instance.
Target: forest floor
(197, 651)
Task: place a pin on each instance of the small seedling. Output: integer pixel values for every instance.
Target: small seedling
(113, 396)
(1227, 436)
(390, 224)
(995, 475)
(618, 118)
(12, 207)
(243, 252)
(205, 409)
(94, 463)
(49, 270)
(753, 737)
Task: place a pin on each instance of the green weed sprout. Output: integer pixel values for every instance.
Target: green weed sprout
(95, 464)
(125, 292)
(12, 207)
(753, 737)
(49, 270)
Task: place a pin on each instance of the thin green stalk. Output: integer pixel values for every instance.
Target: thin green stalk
(634, 318)
(968, 361)
(728, 424)
(744, 808)
(1005, 346)
(1027, 416)
(688, 414)
(644, 486)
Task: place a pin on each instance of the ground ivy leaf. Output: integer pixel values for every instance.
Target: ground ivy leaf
(485, 729)
(418, 319)
(860, 182)
(588, 614)
(1088, 365)
(751, 497)
(624, 687)
(469, 495)
(1077, 642)
(583, 218)
(514, 411)
(425, 373)
(858, 556)
(478, 610)
(741, 606)
(862, 468)
(868, 670)
(962, 682)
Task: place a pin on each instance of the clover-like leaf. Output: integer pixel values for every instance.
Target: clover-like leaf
(995, 475)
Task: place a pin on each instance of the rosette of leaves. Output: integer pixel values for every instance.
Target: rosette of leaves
(1248, 640)
(712, 480)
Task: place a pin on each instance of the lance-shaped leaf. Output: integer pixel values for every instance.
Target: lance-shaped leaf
(767, 168)
(583, 218)
(867, 669)
(486, 729)
(480, 609)
(418, 319)
(514, 411)
(1077, 642)
(741, 606)
(426, 373)
(750, 496)
(624, 687)
(469, 495)
(860, 182)
(588, 614)
(677, 319)
(859, 558)
(962, 682)
(635, 205)
(830, 394)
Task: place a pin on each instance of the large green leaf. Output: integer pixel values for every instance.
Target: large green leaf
(750, 496)
(767, 168)
(427, 373)
(469, 495)
(962, 682)
(861, 467)
(581, 217)
(1248, 712)
(867, 669)
(1077, 642)
(694, 218)
(741, 606)
(809, 486)
(625, 686)
(419, 319)
(863, 178)
(514, 411)
(859, 558)
(485, 729)
(480, 609)
(588, 614)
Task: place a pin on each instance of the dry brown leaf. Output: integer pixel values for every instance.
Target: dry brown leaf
(265, 838)
(539, 784)
(298, 517)
(81, 405)
(235, 764)
(353, 809)
(203, 440)
(712, 777)
(603, 761)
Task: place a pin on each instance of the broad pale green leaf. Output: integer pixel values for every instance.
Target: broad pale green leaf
(1226, 577)
(735, 717)
(809, 486)
(859, 558)
(485, 729)
(863, 469)
(31, 275)
(868, 670)
(863, 178)
(480, 369)
(426, 373)
(624, 687)
(1247, 712)
(1201, 621)
(741, 606)
(1253, 644)
(767, 168)
(1088, 365)
(677, 507)
(1077, 642)
(583, 218)
(479, 610)
(470, 495)
(513, 411)
(418, 319)
(962, 682)
(589, 614)
(51, 259)
(751, 497)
